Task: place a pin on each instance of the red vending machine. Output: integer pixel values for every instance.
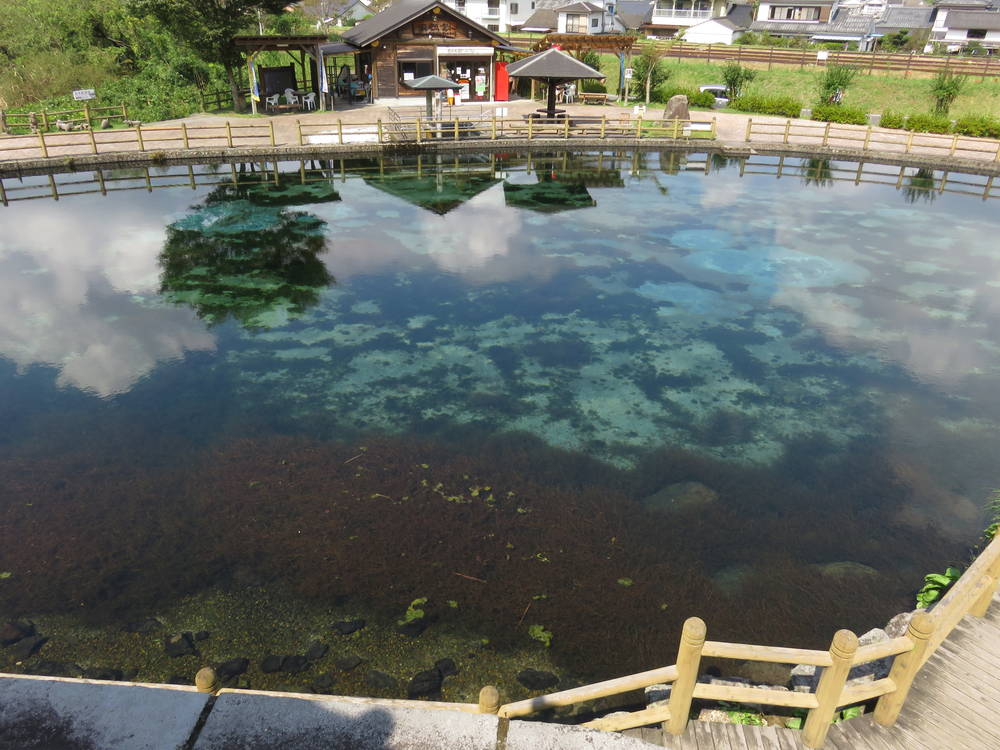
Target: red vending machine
(501, 81)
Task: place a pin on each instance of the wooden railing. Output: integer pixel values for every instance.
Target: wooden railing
(870, 139)
(32, 122)
(972, 594)
(248, 134)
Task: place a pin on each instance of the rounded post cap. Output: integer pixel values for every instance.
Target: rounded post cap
(921, 624)
(489, 700)
(845, 642)
(206, 680)
(694, 629)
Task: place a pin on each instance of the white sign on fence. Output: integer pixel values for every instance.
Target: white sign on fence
(500, 111)
(822, 55)
(82, 94)
(628, 72)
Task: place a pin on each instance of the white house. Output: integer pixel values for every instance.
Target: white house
(495, 15)
(725, 30)
(582, 17)
(959, 22)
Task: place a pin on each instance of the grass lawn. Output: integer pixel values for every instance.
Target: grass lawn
(872, 93)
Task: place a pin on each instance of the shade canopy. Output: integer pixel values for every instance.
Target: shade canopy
(431, 83)
(554, 67)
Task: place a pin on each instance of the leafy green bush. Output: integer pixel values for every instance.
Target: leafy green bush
(935, 585)
(736, 78)
(593, 86)
(833, 82)
(783, 106)
(695, 98)
(945, 88)
(892, 119)
(836, 113)
(927, 123)
(978, 126)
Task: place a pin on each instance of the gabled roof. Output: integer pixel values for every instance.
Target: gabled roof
(402, 12)
(741, 15)
(554, 64)
(899, 17)
(544, 18)
(580, 8)
(973, 19)
(633, 13)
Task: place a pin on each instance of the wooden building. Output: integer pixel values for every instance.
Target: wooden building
(411, 39)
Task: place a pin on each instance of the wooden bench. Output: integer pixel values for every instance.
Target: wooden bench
(588, 97)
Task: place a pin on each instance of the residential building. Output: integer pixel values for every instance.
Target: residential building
(960, 22)
(724, 30)
(668, 17)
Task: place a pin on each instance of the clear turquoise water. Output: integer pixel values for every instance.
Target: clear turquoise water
(609, 306)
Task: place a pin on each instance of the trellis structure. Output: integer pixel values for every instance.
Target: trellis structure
(307, 47)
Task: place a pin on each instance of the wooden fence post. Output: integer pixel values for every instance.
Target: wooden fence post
(184, 135)
(456, 128)
(270, 130)
(749, 125)
(868, 139)
(41, 143)
(909, 143)
(340, 132)
(688, 663)
(493, 127)
(93, 141)
(904, 669)
(982, 604)
(298, 128)
(909, 62)
(124, 114)
(604, 129)
(831, 685)
(788, 129)
(419, 133)
(954, 145)
(489, 700)
(713, 133)
(826, 134)
(677, 128)
(3, 121)
(86, 113)
(566, 128)
(229, 134)
(138, 137)
(530, 120)
(45, 120)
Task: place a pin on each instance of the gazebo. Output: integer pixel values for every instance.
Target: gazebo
(554, 67)
(275, 80)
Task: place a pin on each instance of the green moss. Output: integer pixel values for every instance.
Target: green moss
(626, 582)
(540, 634)
(414, 611)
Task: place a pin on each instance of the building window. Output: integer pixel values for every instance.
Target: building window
(975, 34)
(493, 26)
(532, 5)
(794, 13)
(409, 71)
(493, 5)
(460, 5)
(576, 24)
(513, 9)
(594, 22)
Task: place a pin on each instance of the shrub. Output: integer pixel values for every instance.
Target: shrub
(928, 123)
(978, 126)
(783, 106)
(892, 119)
(945, 88)
(836, 113)
(833, 82)
(695, 98)
(592, 86)
(736, 78)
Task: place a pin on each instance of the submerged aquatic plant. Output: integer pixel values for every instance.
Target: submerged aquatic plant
(414, 611)
(540, 634)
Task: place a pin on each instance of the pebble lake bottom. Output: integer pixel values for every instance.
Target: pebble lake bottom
(515, 412)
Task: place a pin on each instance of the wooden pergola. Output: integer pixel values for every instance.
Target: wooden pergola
(617, 43)
(299, 47)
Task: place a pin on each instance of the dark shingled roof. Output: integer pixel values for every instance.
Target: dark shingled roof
(741, 15)
(544, 18)
(579, 8)
(404, 11)
(554, 64)
(634, 13)
(973, 19)
(899, 17)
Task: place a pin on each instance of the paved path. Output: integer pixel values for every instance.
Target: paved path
(954, 704)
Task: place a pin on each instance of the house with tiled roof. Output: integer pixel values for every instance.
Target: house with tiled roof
(961, 22)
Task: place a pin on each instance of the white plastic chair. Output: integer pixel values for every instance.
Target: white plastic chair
(292, 98)
(271, 102)
(309, 100)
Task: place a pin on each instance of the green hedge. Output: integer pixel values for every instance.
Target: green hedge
(978, 126)
(782, 106)
(837, 113)
(892, 119)
(927, 123)
(695, 98)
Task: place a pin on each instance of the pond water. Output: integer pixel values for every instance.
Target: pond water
(587, 395)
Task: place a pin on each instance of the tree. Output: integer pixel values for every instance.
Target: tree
(833, 82)
(945, 88)
(207, 27)
(736, 78)
(648, 71)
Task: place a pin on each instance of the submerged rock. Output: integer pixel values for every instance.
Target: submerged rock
(272, 663)
(14, 631)
(316, 651)
(534, 679)
(347, 663)
(103, 673)
(322, 683)
(680, 495)
(295, 664)
(27, 647)
(446, 667)
(346, 627)
(380, 680)
(181, 644)
(56, 669)
(425, 684)
(149, 625)
(846, 570)
(231, 669)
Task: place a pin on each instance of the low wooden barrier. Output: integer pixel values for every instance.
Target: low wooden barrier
(972, 594)
(32, 122)
(870, 139)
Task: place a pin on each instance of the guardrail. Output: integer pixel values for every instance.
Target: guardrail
(972, 594)
(830, 134)
(32, 122)
(231, 135)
